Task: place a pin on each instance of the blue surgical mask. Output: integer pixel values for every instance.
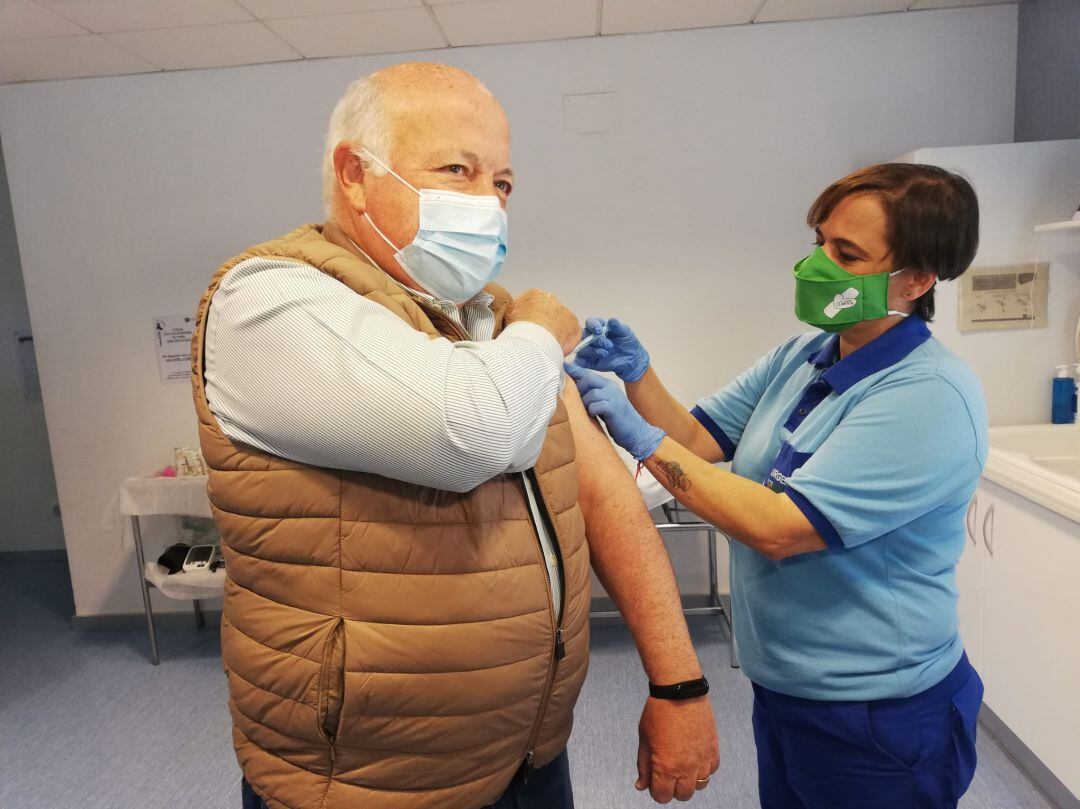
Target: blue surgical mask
(460, 245)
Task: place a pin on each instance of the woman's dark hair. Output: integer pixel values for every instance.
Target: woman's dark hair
(933, 217)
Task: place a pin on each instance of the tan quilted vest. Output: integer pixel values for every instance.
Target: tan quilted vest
(390, 646)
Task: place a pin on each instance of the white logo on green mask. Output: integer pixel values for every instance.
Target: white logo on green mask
(845, 300)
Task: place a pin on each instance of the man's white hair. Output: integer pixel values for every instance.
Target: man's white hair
(359, 117)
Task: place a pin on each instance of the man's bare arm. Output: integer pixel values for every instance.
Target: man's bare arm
(678, 739)
(628, 553)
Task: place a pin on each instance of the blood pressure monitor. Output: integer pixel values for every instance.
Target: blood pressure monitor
(200, 557)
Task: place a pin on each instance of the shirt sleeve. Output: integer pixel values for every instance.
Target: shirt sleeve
(725, 413)
(904, 449)
(300, 366)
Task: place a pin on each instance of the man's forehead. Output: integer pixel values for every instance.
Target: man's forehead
(456, 132)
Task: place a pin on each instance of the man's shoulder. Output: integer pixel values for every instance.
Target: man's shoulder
(256, 269)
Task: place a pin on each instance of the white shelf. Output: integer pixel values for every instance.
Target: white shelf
(1069, 224)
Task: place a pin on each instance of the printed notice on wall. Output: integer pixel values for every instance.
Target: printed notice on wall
(172, 336)
(1013, 296)
(28, 370)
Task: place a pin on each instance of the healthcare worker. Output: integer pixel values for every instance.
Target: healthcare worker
(855, 451)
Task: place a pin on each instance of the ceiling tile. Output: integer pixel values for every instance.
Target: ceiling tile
(270, 9)
(134, 15)
(640, 16)
(406, 29)
(234, 43)
(66, 58)
(494, 21)
(776, 10)
(20, 19)
(920, 4)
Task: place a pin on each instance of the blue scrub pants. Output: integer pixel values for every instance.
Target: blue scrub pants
(913, 753)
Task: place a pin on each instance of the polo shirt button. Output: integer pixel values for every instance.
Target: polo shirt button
(802, 411)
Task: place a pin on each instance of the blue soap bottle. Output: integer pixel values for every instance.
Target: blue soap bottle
(1063, 408)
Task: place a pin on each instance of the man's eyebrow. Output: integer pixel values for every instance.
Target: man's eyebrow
(471, 157)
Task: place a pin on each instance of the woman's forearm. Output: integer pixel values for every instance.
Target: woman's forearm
(768, 522)
(656, 404)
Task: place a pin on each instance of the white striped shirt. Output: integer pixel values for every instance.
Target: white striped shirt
(300, 366)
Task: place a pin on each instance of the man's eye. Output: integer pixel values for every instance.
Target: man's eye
(504, 186)
(455, 168)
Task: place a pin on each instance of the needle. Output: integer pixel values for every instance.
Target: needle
(586, 342)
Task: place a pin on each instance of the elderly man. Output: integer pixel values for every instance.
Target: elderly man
(404, 496)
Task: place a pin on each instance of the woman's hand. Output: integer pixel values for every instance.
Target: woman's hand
(615, 349)
(605, 399)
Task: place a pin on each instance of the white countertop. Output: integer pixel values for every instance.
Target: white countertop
(1040, 462)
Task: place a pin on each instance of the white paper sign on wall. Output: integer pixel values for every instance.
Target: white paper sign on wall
(172, 339)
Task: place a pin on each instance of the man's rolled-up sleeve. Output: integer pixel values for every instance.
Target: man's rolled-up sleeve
(300, 366)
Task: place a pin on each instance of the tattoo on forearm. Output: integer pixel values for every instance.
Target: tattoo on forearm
(675, 475)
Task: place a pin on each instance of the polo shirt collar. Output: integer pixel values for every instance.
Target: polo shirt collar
(877, 355)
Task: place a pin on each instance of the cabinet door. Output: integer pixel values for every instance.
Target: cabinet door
(1031, 656)
(969, 574)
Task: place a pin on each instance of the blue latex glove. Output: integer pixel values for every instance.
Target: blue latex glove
(615, 349)
(604, 398)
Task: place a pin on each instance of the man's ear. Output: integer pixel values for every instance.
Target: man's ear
(350, 176)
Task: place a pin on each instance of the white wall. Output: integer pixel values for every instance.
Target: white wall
(685, 220)
(27, 488)
(1019, 185)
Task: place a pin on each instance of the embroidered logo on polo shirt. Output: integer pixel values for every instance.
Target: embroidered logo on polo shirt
(777, 481)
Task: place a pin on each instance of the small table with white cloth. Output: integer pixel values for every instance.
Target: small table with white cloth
(169, 496)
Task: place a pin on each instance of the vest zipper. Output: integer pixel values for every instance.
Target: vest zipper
(331, 693)
(558, 647)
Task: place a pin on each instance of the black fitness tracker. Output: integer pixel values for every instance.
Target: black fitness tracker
(679, 691)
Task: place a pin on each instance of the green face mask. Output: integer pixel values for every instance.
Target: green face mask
(831, 298)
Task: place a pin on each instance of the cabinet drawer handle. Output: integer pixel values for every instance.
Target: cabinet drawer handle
(988, 539)
(969, 519)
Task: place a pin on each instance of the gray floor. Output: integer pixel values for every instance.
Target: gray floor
(86, 722)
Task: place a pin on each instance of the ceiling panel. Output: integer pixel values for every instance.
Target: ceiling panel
(20, 19)
(919, 4)
(66, 58)
(407, 29)
(776, 10)
(133, 15)
(234, 43)
(270, 9)
(640, 16)
(495, 21)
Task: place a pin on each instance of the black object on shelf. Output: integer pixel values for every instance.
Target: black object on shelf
(173, 558)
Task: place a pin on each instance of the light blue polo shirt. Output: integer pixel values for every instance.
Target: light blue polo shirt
(882, 451)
